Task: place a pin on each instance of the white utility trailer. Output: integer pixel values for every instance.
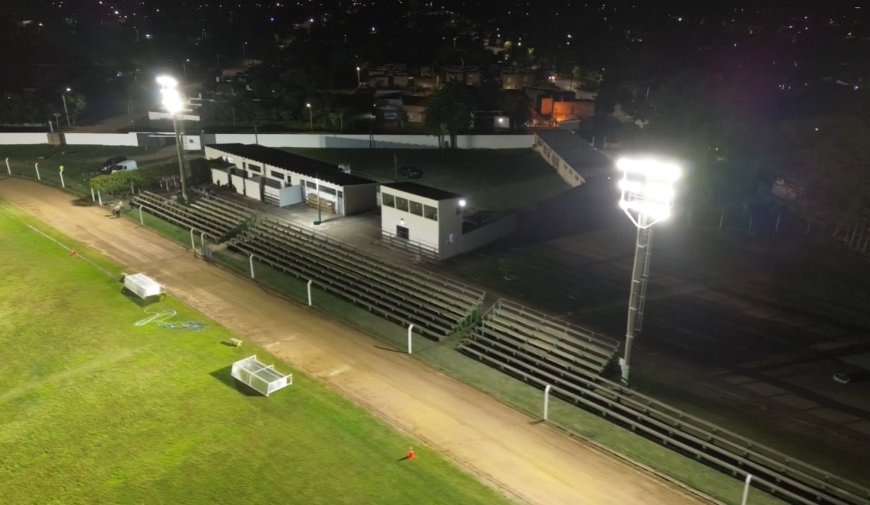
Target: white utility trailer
(142, 286)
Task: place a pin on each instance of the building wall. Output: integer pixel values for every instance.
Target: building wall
(290, 195)
(238, 183)
(219, 177)
(420, 229)
(491, 232)
(563, 111)
(360, 198)
(252, 189)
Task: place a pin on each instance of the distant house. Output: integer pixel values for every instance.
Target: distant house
(466, 74)
(490, 120)
(391, 75)
(388, 105)
(517, 78)
(414, 107)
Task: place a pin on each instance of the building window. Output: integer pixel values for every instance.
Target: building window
(254, 168)
(416, 208)
(387, 200)
(277, 175)
(430, 213)
(328, 191)
(311, 184)
(402, 204)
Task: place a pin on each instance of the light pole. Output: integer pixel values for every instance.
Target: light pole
(358, 80)
(171, 99)
(184, 66)
(65, 110)
(310, 115)
(461, 210)
(647, 194)
(244, 53)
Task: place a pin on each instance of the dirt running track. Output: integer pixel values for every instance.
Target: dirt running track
(533, 463)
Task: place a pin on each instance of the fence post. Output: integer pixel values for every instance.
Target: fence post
(99, 198)
(746, 489)
(60, 172)
(309, 293)
(547, 401)
(36, 166)
(141, 221)
(410, 341)
(251, 264)
(8, 167)
(93, 196)
(192, 242)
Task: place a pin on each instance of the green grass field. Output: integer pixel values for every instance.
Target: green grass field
(97, 410)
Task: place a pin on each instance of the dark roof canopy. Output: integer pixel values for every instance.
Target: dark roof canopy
(326, 172)
(585, 159)
(421, 190)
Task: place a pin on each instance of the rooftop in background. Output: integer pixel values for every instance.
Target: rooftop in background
(293, 162)
(421, 190)
(576, 151)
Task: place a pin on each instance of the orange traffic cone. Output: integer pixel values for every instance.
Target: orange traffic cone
(410, 453)
(72, 252)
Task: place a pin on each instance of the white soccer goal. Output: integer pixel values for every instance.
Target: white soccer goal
(260, 376)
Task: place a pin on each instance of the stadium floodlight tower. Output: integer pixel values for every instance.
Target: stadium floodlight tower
(173, 103)
(647, 195)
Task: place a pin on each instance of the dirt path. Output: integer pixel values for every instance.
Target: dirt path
(534, 463)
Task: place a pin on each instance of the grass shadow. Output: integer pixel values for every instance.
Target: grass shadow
(224, 375)
(84, 202)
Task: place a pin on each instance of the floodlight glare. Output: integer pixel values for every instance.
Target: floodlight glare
(647, 195)
(647, 189)
(462, 203)
(173, 103)
(172, 100)
(167, 81)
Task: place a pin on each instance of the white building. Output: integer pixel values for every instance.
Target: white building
(282, 178)
(434, 222)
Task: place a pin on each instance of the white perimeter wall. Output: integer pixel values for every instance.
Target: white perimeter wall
(102, 139)
(23, 138)
(325, 140)
(303, 140)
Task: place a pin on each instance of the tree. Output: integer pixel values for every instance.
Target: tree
(449, 109)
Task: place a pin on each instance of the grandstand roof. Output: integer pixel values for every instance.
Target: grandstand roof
(326, 172)
(582, 157)
(421, 190)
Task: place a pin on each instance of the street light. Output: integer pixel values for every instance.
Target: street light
(461, 211)
(65, 110)
(310, 115)
(173, 103)
(358, 80)
(647, 194)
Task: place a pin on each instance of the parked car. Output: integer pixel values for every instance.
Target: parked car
(127, 165)
(111, 162)
(411, 172)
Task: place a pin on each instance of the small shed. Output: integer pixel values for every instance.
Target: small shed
(260, 376)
